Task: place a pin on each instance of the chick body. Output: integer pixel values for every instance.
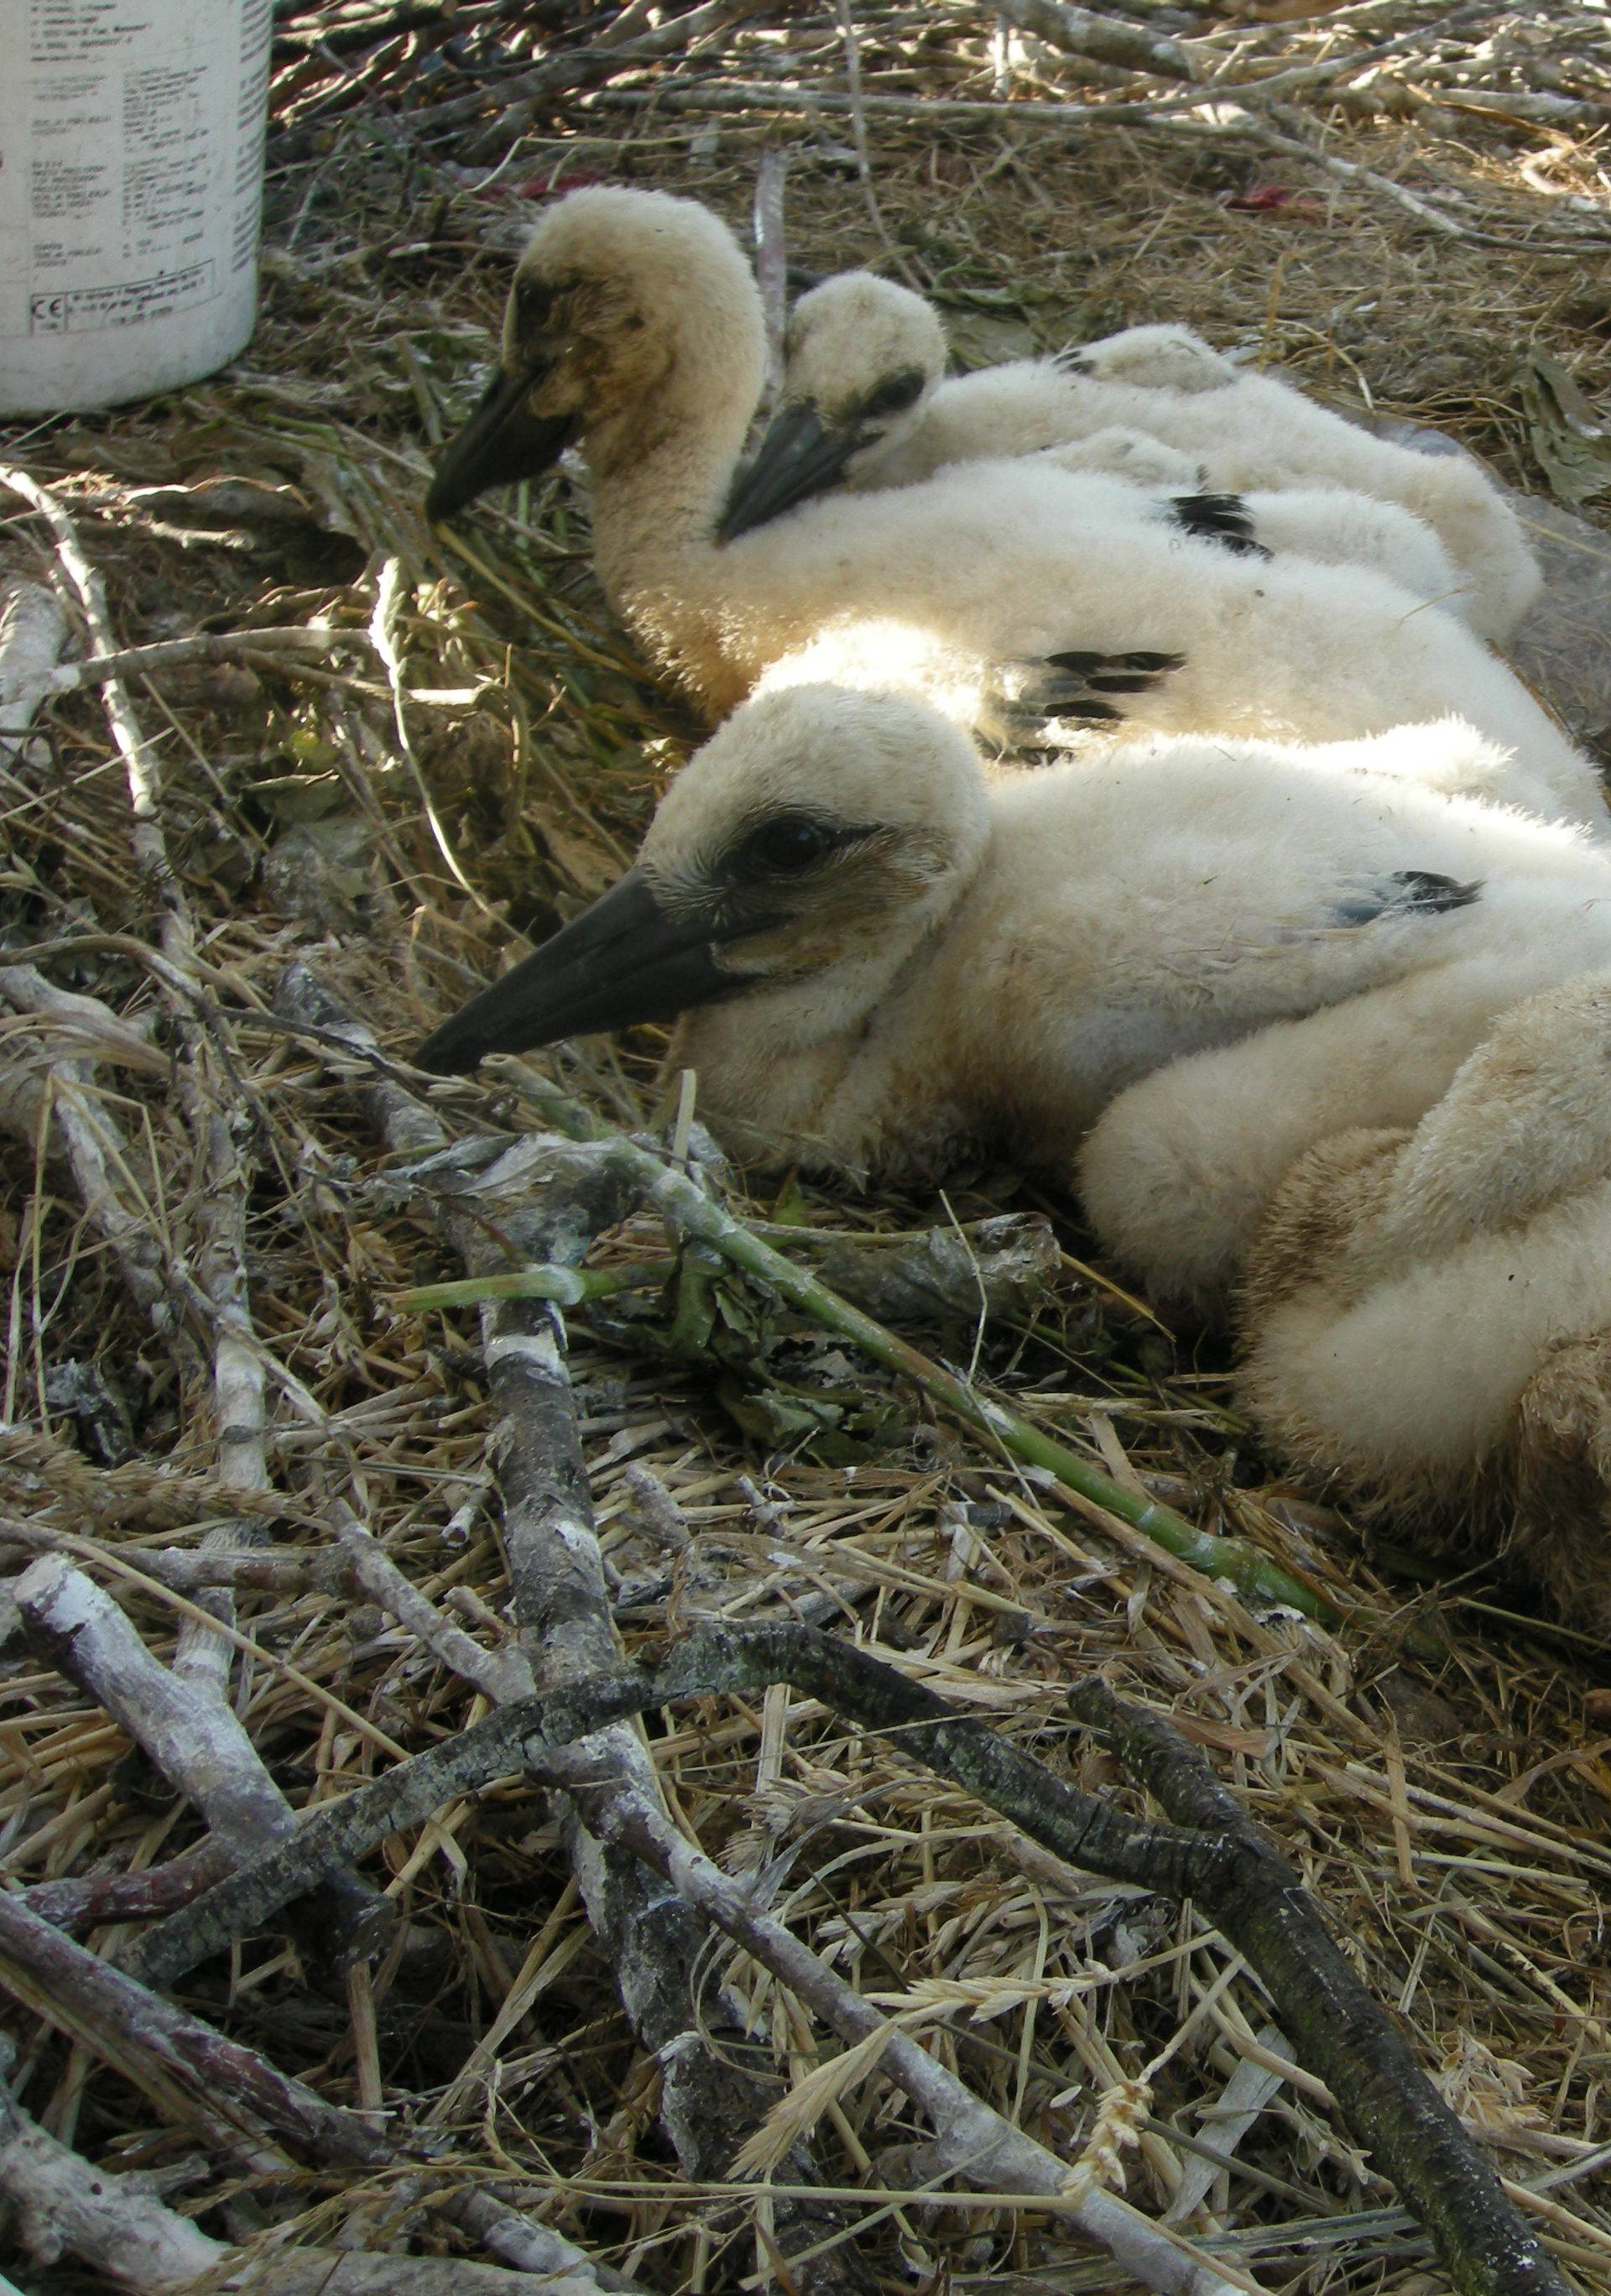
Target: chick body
(1182, 977)
(1427, 1315)
(634, 318)
(1249, 432)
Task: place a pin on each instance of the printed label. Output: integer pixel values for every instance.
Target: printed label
(77, 310)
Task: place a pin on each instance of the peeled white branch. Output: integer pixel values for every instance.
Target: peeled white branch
(65, 2206)
(33, 631)
(969, 2138)
(197, 1743)
(241, 2105)
(191, 1735)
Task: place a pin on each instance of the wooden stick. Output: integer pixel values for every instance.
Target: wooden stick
(1338, 2028)
(577, 68)
(710, 2097)
(195, 2075)
(502, 1676)
(47, 1087)
(858, 136)
(1232, 120)
(206, 645)
(1081, 32)
(62, 2204)
(354, 1917)
(33, 631)
(970, 2139)
(198, 1745)
(772, 264)
(1212, 1854)
(192, 1736)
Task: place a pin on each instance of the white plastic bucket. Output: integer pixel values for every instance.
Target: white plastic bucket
(131, 194)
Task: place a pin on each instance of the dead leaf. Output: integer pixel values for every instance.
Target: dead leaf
(1571, 439)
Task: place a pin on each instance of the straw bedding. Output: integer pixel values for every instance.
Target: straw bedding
(467, 751)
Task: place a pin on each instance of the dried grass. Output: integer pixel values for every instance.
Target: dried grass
(1452, 1815)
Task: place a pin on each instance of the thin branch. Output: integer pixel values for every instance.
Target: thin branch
(502, 1676)
(710, 2096)
(355, 1915)
(206, 645)
(1340, 2031)
(1231, 120)
(33, 631)
(575, 67)
(1083, 32)
(197, 2077)
(858, 136)
(1212, 1854)
(64, 2204)
(772, 263)
(190, 1734)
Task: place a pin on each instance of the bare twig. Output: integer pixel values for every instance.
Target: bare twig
(772, 263)
(577, 67)
(148, 847)
(197, 1744)
(204, 646)
(218, 1127)
(1340, 2031)
(46, 1086)
(1212, 1856)
(970, 2140)
(64, 2205)
(858, 134)
(710, 2096)
(192, 1736)
(1233, 121)
(500, 1674)
(1083, 32)
(33, 631)
(197, 2077)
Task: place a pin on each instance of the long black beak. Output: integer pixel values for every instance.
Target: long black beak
(621, 961)
(503, 441)
(800, 456)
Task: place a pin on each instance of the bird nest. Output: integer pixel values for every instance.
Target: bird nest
(247, 1437)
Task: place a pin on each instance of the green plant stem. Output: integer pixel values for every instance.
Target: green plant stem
(679, 1198)
(567, 1287)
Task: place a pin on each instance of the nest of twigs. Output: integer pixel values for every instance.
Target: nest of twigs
(402, 749)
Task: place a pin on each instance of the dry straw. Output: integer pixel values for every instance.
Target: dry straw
(318, 733)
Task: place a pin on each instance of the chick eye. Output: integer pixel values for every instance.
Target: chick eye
(786, 845)
(893, 396)
(535, 301)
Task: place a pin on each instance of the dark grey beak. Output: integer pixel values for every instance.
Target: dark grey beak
(799, 457)
(503, 441)
(623, 961)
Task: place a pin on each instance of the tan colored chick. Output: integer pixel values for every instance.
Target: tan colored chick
(1428, 1312)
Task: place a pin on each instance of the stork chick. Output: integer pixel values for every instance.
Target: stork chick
(882, 956)
(866, 404)
(1427, 1311)
(883, 960)
(635, 323)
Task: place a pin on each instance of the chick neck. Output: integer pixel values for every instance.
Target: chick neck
(662, 460)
